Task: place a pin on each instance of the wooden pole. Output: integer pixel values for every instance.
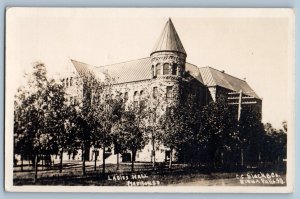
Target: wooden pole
(240, 105)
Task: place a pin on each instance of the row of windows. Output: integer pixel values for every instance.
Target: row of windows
(138, 97)
(67, 82)
(141, 96)
(165, 69)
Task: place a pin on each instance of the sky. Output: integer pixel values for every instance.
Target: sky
(254, 45)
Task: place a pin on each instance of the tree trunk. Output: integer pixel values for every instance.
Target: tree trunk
(118, 161)
(95, 163)
(42, 157)
(83, 160)
(103, 164)
(35, 168)
(170, 163)
(242, 157)
(61, 161)
(153, 153)
(132, 161)
(22, 163)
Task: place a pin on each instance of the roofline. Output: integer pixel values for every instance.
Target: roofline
(121, 62)
(258, 98)
(173, 51)
(224, 73)
(81, 62)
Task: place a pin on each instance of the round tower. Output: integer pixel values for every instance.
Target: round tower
(168, 62)
(168, 56)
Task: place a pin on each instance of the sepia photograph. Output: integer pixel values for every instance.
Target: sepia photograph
(149, 100)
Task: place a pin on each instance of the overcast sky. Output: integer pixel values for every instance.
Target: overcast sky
(247, 45)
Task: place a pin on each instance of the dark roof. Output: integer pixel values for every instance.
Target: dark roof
(214, 77)
(140, 69)
(169, 40)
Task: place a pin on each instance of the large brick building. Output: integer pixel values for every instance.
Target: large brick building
(164, 77)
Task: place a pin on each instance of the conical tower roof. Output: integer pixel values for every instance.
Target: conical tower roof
(169, 40)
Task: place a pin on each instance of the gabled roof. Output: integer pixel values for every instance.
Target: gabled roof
(130, 71)
(214, 77)
(194, 71)
(84, 69)
(169, 40)
(140, 69)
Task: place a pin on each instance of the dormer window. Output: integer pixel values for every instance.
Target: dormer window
(166, 69)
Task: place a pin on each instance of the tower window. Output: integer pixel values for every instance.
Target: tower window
(166, 69)
(71, 81)
(157, 69)
(155, 92)
(174, 69)
(154, 72)
(169, 92)
(67, 82)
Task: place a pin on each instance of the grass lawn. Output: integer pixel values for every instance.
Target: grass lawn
(143, 175)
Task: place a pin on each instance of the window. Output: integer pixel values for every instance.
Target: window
(135, 100)
(154, 92)
(63, 82)
(142, 95)
(135, 96)
(126, 96)
(142, 99)
(71, 81)
(67, 82)
(154, 71)
(174, 69)
(157, 69)
(168, 110)
(169, 92)
(135, 104)
(166, 69)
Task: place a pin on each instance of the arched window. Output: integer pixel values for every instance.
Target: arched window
(158, 69)
(142, 94)
(153, 71)
(126, 96)
(71, 81)
(174, 69)
(67, 82)
(142, 99)
(63, 82)
(136, 100)
(166, 69)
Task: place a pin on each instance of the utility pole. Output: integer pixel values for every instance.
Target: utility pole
(237, 98)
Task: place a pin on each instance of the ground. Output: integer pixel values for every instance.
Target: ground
(144, 175)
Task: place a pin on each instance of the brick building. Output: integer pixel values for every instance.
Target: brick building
(162, 77)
